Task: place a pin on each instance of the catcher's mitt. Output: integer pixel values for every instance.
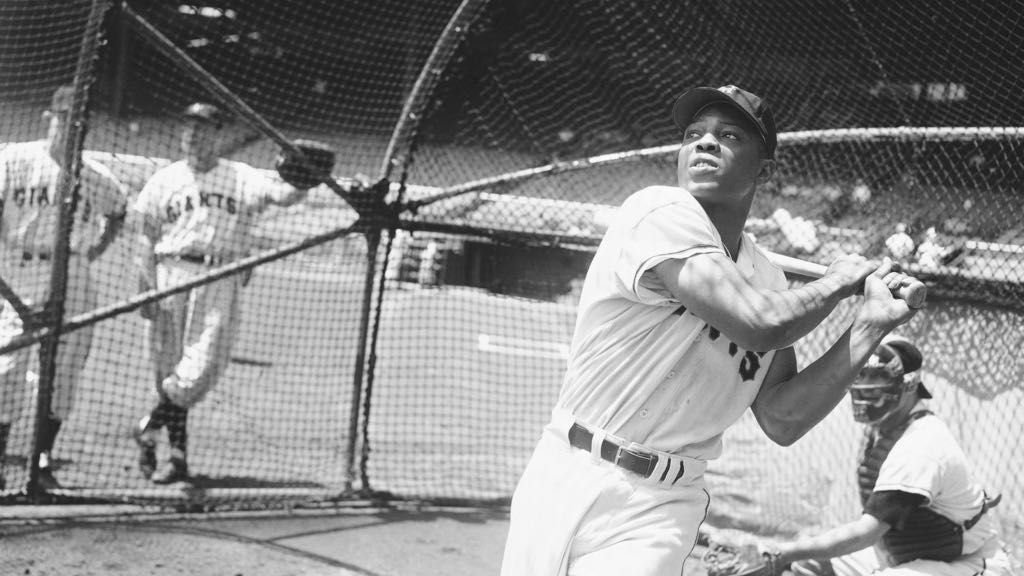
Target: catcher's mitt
(309, 171)
(725, 560)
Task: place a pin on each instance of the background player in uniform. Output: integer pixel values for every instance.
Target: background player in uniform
(924, 512)
(194, 213)
(682, 325)
(30, 174)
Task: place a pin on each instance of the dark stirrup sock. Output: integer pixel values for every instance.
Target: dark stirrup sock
(49, 434)
(177, 430)
(162, 413)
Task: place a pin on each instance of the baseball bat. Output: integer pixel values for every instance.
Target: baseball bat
(913, 293)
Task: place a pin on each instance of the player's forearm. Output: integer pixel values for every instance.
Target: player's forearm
(838, 541)
(789, 409)
(760, 319)
(755, 318)
(786, 316)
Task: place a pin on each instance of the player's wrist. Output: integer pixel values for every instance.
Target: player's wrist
(869, 327)
(827, 289)
(843, 286)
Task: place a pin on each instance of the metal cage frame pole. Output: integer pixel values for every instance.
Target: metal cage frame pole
(67, 201)
(403, 135)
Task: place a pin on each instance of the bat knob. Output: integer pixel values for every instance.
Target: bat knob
(914, 293)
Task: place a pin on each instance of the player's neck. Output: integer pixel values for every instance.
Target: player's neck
(895, 420)
(729, 221)
(202, 164)
(729, 216)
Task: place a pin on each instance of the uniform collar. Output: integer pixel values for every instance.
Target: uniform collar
(745, 259)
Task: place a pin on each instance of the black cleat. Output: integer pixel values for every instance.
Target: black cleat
(46, 480)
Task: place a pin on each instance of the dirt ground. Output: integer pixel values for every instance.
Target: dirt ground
(115, 541)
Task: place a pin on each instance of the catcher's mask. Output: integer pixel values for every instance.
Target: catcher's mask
(891, 372)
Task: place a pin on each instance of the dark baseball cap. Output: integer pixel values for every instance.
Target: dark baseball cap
(910, 357)
(691, 102)
(206, 112)
(62, 98)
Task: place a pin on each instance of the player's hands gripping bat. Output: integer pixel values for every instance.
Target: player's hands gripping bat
(909, 289)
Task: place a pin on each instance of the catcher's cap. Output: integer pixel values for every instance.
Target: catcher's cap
(752, 106)
(910, 357)
(206, 112)
(62, 98)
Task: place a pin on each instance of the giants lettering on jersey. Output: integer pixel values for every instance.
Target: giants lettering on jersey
(41, 197)
(750, 363)
(181, 204)
(34, 196)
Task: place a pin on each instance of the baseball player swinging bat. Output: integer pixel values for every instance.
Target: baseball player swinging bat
(913, 292)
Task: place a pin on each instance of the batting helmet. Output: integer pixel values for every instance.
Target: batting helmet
(891, 371)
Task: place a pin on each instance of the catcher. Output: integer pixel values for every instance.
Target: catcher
(924, 513)
(193, 215)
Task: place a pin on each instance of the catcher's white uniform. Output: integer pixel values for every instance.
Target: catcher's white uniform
(201, 219)
(29, 180)
(645, 374)
(928, 461)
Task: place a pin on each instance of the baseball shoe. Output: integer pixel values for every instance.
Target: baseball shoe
(147, 447)
(47, 481)
(175, 470)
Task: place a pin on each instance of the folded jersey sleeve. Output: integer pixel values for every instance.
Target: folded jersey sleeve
(893, 506)
(657, 231)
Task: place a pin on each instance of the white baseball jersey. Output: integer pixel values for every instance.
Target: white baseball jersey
(642, 367)
(29, 178)
(208, 213)
(928, 461)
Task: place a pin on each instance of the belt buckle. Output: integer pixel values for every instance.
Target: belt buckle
(618, 453)
(650, 460)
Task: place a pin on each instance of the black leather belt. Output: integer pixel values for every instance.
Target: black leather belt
(198, 259)
(640, 463)
(986, 505)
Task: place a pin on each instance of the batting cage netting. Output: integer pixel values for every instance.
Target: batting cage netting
(401, 330)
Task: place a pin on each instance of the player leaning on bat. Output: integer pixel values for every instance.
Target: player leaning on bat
(924, 512)
(194, 214)
(683, 324)
(30, 177)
